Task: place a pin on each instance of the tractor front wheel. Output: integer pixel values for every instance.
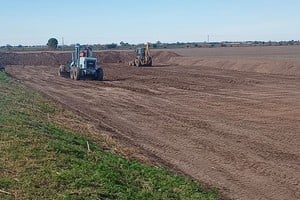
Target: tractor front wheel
(137, 63)
(60, 70)
(131, 63)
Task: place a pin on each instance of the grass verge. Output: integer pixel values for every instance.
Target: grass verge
(41, 160)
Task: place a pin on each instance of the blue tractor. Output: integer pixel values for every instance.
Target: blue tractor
(83, 65)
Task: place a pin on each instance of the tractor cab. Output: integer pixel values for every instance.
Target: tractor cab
(141, 53)
(143, 57)
(83, 64)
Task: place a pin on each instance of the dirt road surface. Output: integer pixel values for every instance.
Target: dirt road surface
(236, 130)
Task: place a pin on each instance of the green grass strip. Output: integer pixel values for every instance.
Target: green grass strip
(40, 160)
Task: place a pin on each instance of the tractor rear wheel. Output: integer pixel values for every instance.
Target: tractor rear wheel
(150, 63)
(76, 73)
(137, 63)
(99, 74)
(72, 73)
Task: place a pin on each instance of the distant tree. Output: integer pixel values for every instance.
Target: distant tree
(9, 47)
(52, 43)
(291, 42)
(124, 44)
(111, 46)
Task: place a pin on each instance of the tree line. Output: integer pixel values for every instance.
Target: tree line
(53, 44)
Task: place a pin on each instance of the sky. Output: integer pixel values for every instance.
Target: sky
(33, 22)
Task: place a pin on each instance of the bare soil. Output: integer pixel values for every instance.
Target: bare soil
(237, 130)
(276, 60)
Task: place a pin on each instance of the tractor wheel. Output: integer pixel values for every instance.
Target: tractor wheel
(72, 73)
(137, 63)
(61, 70)
(76, 73)
(99, 74)
(131, 63)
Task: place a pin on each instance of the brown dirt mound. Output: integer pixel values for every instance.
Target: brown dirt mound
(228, 59)
(114, 56)
(269, 66)
(34, 59)
(164, 56)
(283, 60)
(58, 58)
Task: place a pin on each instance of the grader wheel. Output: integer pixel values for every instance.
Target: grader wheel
(72, 74)
(61, 70)
(76, 73)
(99, 74)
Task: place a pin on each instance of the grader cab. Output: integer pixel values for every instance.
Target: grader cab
(83, 65)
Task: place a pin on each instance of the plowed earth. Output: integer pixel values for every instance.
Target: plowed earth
(236, 130)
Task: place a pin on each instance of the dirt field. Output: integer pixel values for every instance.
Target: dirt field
(236, 130)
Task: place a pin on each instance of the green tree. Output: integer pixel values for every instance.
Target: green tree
(111, 46)
(52, 43)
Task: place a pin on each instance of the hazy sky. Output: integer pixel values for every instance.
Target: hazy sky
(33, 22)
